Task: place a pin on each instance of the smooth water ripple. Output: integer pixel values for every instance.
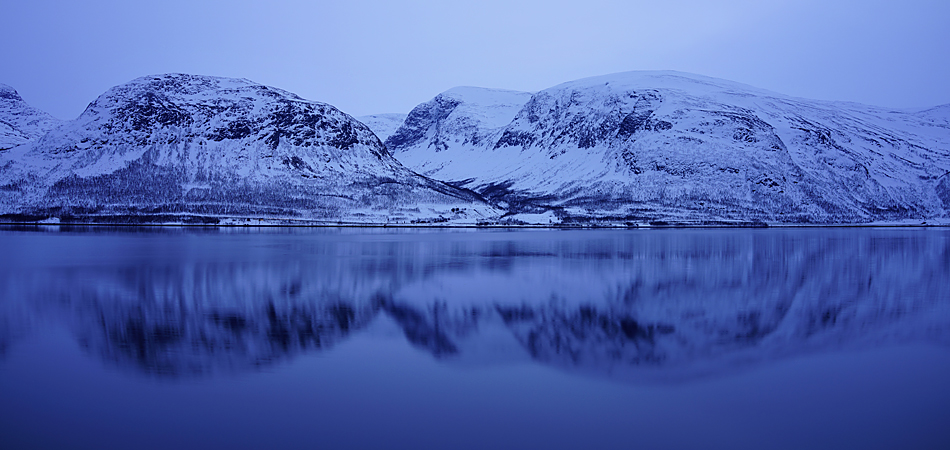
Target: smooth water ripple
(551, 325)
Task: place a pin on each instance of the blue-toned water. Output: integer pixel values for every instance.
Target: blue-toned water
(379, 338)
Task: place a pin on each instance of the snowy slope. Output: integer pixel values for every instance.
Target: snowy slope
(384, 125)
(183, 147)
(437, 134)
(673, 147)
(20, 122)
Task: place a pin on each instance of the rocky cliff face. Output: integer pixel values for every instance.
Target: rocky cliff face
(671, 147)
(20, 122)
(183, 147)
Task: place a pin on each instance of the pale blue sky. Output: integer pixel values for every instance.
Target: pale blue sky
(374, 56)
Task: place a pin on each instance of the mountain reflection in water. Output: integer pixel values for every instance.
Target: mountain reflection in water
(634, 306)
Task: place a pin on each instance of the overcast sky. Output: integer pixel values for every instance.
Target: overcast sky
(376, 56)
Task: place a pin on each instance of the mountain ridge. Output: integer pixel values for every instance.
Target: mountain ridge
(189, 147)
(633, 148)
(674, 147)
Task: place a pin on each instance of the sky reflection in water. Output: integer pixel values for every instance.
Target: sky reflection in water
(406, 339)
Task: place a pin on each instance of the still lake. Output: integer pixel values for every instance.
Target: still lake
(399, 338)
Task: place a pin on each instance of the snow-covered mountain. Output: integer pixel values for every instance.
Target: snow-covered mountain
(195, 148)
(20, 122)
(384, 125)
(673, 147)
(637, 147)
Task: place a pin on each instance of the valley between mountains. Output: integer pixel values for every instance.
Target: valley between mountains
(628, 149)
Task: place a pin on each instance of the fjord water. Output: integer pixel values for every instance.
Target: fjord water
(382, 338)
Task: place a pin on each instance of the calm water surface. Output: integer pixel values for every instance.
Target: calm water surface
(347, 338)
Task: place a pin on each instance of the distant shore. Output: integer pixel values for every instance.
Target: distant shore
(575, 226)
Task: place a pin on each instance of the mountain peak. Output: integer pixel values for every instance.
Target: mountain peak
(197, 89)
(8, 93)
(20, 122)
(481, 94)
(664, 79)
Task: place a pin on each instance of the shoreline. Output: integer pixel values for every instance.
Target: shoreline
(437, 226)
